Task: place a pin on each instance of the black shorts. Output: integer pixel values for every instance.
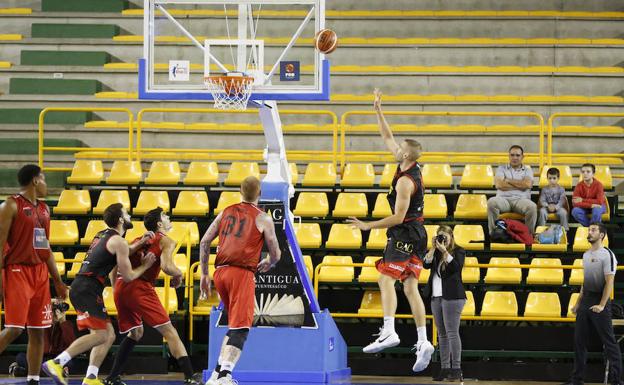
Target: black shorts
(86, 296)
(405, 241)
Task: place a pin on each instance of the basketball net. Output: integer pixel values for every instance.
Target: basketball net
(230, 92)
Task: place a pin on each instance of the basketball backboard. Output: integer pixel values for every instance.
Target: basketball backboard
(271, 40)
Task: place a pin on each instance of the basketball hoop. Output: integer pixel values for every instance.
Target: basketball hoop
(231, 91)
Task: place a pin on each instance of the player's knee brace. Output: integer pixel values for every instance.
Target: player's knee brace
(237, 337)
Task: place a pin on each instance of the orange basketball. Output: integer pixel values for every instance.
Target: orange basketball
(326, 41)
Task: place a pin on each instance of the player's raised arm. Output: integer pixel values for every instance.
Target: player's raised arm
(384, 127)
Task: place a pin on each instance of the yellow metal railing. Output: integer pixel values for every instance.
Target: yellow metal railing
(256, 154)
(346, 115)
(549, 141)
(193, 311)
(42, 148)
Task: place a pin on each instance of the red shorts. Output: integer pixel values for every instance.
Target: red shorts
(27, 296)
(136, 302)
(401, 270)
(237, 288)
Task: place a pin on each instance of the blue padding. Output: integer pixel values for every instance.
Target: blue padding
(285, 354)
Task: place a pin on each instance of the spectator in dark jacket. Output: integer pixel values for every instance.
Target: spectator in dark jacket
(448, 297)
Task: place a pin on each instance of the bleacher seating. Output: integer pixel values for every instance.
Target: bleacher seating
(149, 200)
(350, 205)
(108, 197)
(73, 202)
(191, 203)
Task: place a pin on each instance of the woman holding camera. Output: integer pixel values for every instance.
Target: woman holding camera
(448, 298)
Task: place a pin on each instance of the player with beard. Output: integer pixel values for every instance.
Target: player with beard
(108, 250)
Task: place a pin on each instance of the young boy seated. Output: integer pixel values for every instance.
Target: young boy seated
(553, 200)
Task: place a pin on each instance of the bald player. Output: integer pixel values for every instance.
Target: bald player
(242, 230)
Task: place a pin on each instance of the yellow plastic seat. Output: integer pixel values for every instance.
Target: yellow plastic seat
(319, 174)
(382, 206)
(581, 244)
(109, 300)
(179, 230)
(358, 175)
(307, 260)
(543, 305)
(226, 199)
(576, 275)
(63, 232)
(499, 304)
(470, 308)
(211, 268)
(539, 276)
(562, 246)
(503, 275)
(312, 204)
(565, 178)
(344, 236)
(377, 239)
(173, 299)
(471, 206)
(477, 176)
(73, 202)
(75, 268)
(294, 173)
(337, 273)
(494, 246)
(371, 303)
(135, 232)
(93, 227)
(192, 203)
(108, 197)
(125, 172)
(432, 230)
(603, 174)
(239, 171)
(350, 205)
(369, 274)
(470, 237)
(149, 200)
(163, 173)
(86, 172)
(60, 266)
(471, 274)
(387, 175)
(571, 303)
(435, 206)
(308, 235)
(202, 174)
(437, 176)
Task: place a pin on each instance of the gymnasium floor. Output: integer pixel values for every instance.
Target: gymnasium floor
(356, 380)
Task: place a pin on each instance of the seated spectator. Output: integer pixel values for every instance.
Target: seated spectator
(56, 339)
(553, 200)
(513, 184)
(588, 197)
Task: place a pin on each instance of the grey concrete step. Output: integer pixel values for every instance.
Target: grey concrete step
(394, 56)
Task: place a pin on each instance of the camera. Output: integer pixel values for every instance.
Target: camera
(441, 238)
(60, 306)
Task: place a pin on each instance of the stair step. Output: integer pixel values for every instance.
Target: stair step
(65, 58)
(54, 180)
(25, 146)
(54, 86)
(31, 116)
(83, 5)
(74, 30)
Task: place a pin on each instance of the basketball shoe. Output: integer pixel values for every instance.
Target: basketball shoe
(385, 340)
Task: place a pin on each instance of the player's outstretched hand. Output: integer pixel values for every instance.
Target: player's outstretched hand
(377, 103)
(148, 259)
(147, 236)
(176, 281)
(264, 265)
(356, 223)
(61, 289)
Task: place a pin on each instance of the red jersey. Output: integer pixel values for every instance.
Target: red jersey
(153, 246)
(27, 243)
(240, 241)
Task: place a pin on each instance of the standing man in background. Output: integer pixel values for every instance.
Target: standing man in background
(26, 261)
(593, 307)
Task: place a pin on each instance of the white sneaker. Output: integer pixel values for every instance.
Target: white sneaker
(385, 340)
(213, 379)
(424, 350)
(227, 381)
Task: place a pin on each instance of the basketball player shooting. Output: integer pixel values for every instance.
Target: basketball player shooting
(242, 229)
(406, 246)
